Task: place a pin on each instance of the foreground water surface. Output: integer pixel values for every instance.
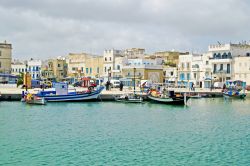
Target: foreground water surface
(207, 132)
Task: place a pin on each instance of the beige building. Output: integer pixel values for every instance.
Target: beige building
(171, 58)
(55, 70)
(5, 57)
(241, 69)
(94, 66)
(76, 64)
(152, 73)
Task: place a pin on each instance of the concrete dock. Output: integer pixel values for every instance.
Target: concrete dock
(15, 94)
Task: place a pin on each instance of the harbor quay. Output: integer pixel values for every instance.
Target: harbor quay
(15, 94)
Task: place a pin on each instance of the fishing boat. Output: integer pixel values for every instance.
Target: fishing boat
(62, 94)
(170, 98)
(234, 89)
(129, 98)
(32, 99)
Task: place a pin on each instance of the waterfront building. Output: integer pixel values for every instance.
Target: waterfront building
(241, 68)
(222, 59)
(170, 75)
(18, 67)
(94, 66)
(34, 68)
(76, 64)
(109, 61)
(5, 57)
(56, 69)
(145, 69)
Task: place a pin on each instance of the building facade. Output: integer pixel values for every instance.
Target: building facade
(34, 68)
(5, 57)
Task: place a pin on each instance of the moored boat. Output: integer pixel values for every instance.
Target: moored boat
(129, 98)
(32, 99)
(170, 98)
(234, 89)
(61, 94)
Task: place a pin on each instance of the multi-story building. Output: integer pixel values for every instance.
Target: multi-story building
(56, 69)
(34, 68)
(143, 69)
(241, 70)
(109, 57)
(5, 57)
(222, 59)
(133, 53)
(94, 66)
(77, 64)
(18, 67)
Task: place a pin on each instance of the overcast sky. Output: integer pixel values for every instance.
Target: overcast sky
(51, 28)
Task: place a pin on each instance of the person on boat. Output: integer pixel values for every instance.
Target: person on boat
(121, 86)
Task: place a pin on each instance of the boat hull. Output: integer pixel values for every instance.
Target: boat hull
(170, 100)
(241, 96)
(77, 97)
(41, 101)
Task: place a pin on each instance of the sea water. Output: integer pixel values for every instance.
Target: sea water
(206, 132)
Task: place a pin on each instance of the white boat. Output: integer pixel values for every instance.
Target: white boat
(37, 101)
(129, 98)
(61, 94)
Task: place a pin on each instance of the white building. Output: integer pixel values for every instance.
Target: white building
(222, 59)
(109, 61)
(34, 68)
(18, 67)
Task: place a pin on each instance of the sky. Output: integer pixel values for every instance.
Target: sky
(49, 28)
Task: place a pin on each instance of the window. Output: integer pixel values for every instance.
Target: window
(82, 69)
(182, 76)
(128, 73)
(0, 64)
(171, 73)
(188, 76)
(118, 67)
(0, 53)
(105, 69)
(248, 54)
(207, 62)
(97, 69)
(105, 59)
(215, 66)
(90, 70)
(182, 65)
(188, 65)
(228, 68)
(87, 70)
(195, 75)
(58, 65)
(221, 66)
(73, 68)
(110, 58)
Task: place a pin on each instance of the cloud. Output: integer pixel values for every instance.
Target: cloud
(43, 29)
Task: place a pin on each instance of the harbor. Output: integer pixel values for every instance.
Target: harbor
(111, 133)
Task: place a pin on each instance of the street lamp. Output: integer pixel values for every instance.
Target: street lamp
(26, 82)
(134, 79)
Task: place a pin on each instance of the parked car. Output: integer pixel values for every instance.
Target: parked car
(115, 83)
(248, 88)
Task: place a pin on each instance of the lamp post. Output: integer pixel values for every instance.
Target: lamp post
(134, 79)
(211, 81)
(26, 82)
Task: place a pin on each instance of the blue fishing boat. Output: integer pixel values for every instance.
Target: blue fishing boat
(234, 89)
(61, 93)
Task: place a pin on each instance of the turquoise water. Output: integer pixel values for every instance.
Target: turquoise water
(207, 132)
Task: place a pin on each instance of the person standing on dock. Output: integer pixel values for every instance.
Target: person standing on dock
(121, 86)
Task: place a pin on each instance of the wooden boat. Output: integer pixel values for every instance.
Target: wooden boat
(37, 101)
(234, 89)
(129, 98)
(171, 98)
(62, 94)
(32, 99)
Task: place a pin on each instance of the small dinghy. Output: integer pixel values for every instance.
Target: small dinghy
(32, 99)
(129, 98)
